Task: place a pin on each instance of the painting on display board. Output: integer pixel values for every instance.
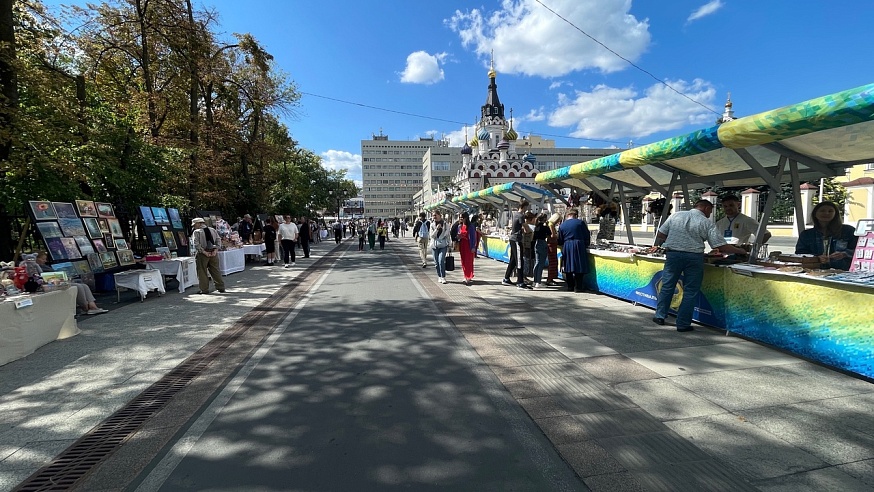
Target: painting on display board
(161, 217)
(65, 210)
(115, 228)
(108, 260)
(56, 248)
(85, 273)
(86, 208)
(84, 245)
(49, 229)
(104, 210)
(100, 246)
(72, 227)
(93, 228)
(42, 210)
(121, 244)
(71, 248)
(175, 218)
(125, 257)
(148, 218)
(183, 239)
(157, 239)
(169, 239)
(108, 241)
(95, 263)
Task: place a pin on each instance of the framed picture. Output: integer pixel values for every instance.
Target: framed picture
(84, 245)
(108, 260)
(93, 228)
(160, 215)
(157, 239)
(104, 209)
(108, 241)
(72, 227)
(43, 210)
(121, 244)
(86, 208)
(65, 210)
(71, 248)
(49, 229)
(183, 239)
(95, 263)
(125, 257)
(56, 277)
(175, 218)
(115, 228)
(169, 239)
(56, 248)
(104, 226)
(83, 267)
(164, 251)
(148, 218)
(100, 246)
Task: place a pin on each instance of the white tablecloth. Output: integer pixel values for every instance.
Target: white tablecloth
(141, 281)
(253, 249)
(231, 261)
(23, 330)
(184, 269)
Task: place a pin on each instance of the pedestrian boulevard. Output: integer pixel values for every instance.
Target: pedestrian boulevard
(358, 371)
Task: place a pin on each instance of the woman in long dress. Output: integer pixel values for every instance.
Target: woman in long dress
(574, 238)
(468, 238)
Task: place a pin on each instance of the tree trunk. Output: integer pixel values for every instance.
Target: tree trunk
(193, 104)
(142, 6)
(8, 81)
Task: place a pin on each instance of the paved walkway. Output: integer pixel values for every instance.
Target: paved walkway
(489, 385)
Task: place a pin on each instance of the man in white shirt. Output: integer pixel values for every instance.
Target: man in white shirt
(287, 234)
(737, 225)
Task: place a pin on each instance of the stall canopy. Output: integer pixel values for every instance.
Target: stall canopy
(502, 194)
(817, 138)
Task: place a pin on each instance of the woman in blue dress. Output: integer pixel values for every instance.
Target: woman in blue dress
(574, 238)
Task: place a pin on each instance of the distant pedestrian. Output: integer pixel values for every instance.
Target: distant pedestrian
(306, 232)
(338, 232)
(420, 233)
(542, 234)
(382, 233)
(371, 234)
(552, 250)
(270, 240)
(439, 243)
(206, 240)
(467, 240)
(288, 233)
(574, 238)
(361, 242)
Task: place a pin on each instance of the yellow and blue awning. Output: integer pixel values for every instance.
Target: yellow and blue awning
(498, 194)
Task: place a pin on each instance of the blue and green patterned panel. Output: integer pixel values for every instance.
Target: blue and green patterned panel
(822, 113)
(495, 248)
(831, 325)
(697, 142)
(553, 176)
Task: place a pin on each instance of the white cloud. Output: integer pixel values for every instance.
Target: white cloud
(559, 83)
(705, 10)
(536, 114)
(529, 39)
(340, 159)
(423, 68)
(614, 113)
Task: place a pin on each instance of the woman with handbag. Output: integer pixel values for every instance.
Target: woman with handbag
(467, 239)
(439, 243)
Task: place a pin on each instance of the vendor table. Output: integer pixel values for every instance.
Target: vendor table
(51, 316)
(184, 270)
(253, 249)
(141, 281)
(232, 261)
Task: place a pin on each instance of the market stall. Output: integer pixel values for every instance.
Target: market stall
(232, 261)
(30, 321)
(183, 269)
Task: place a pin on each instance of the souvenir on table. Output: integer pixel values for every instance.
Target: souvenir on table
(104, 209)
(95, 263)
(175, 219)
(72, 227)
(160, 214)
(84, 245)
(183, 239)
(108, 260)
(49, 229)
(169, 239)
(100, 246)
(125, 257)
(157, 239)
(115, 228)
(148, 218)
(71, 248)
(56, 277)
(86, 208)
(121, 244)
(93, 228)
(65, 210)
(164, 252)
(56, 248)
(43, 210)
(104, 226)
(108, 241)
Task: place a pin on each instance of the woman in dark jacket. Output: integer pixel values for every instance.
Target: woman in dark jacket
(830, 239)
(270, 240)
(542, 233)
(574, 238)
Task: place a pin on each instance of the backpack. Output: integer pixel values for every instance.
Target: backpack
(424, 229)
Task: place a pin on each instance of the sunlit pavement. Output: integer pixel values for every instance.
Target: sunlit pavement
(366, 374)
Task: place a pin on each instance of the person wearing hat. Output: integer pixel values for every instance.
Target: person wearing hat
(246, 228)
(205, 240)
(552, 249)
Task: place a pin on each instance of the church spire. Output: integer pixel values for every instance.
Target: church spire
(493, 110)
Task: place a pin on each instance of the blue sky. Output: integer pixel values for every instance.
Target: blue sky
(430, 59)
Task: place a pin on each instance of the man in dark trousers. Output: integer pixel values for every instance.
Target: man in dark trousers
(515, 263)
(306, 232)
(338, 232)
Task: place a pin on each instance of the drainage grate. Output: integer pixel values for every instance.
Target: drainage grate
(75, 462)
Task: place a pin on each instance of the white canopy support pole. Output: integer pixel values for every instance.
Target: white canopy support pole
(685, 187)
(769, 205)
(796, 196)
(624, 207)
(665, 209)
(758, 168)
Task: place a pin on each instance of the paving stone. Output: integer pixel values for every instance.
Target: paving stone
(543, 406)
(572, 384)
(589, 458)
(578, 347)
(860, 470)
(507, 374)
(695, 476)
(525, 389)
(666, 400)
(616, 369)
(544, 358)
(711, 358)
(618, 423)
(646, 450)
(629, 342)
(563, 429)
(614, 482)
(827, 479)
(597, 401)
(550, 371)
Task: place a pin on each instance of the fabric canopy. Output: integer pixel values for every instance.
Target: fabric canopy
(495, 195)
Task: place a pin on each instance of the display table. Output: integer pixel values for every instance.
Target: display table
(141, 281)
(232, 261)
(253, 249)
(52, 316)
(184, 270)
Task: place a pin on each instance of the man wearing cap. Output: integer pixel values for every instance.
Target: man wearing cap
(245, 229)
(205, 241)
